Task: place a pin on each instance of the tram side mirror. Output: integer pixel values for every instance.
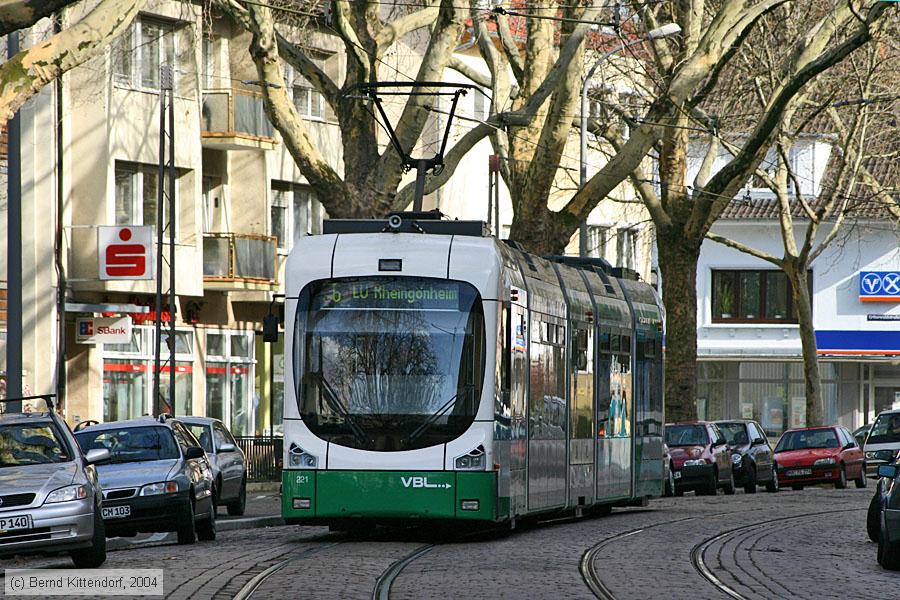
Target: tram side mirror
(270, 328)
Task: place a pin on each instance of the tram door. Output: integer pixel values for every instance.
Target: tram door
(518, 349)
(614, 415)
(581, 413)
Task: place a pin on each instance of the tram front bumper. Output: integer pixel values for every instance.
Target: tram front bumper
(311, 496)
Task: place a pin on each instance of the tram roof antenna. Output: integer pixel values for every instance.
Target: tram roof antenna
(373, 91)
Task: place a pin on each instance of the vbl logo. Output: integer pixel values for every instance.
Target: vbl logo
(126, 260)
(421, 482)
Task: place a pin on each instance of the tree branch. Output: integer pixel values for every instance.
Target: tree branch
(745, 249)
(310, 70)
(511, 49)
(396, 29)
(25, 74)
(470, 72)
(19, 14)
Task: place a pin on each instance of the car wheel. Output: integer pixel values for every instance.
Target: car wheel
(206, 530)
(797, 488)
(217, 486)
(841, 482)
(679, 493)
(873, 518)
(888, 553)
(711, 486)
(728, 488)
(861, 480)
(93, 557)
(772, 486)
(187, 529)
(750, 485)
(237, 507)
(669, 488)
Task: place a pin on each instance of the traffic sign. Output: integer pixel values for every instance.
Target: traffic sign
(879, 286)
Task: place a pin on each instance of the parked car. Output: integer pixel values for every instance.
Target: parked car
(888, 507)
(883, 441)
(48, 485)
(752, 458)
(860, 433)
(819, 455)
(229, 467)
(157, 478)
(700, 458)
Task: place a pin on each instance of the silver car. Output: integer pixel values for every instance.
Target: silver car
(228, 464)
(50, 498)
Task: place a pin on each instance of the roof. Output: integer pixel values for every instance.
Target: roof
(15, 418)
(138, 422)
(198, 420)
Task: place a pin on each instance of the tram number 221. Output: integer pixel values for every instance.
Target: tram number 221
(301, 479)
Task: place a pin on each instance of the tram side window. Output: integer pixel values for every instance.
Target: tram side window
(614, 393)
(546, 399)
(502, 405)
(582, 384)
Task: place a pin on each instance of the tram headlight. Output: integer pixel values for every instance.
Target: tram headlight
(473, 461)
(300, 458)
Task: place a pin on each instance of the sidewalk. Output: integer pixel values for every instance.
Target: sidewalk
(263, 510)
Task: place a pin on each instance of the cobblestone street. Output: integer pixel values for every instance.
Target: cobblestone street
(794, 544)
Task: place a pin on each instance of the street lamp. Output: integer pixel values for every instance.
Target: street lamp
(667, 30)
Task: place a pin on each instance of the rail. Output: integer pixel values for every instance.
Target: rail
(263, 455)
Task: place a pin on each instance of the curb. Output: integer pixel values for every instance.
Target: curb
(263, 486)
(120, 543)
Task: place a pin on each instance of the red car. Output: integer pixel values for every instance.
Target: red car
(819, 455)
(700, 458)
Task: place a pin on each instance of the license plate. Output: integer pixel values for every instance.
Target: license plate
(677, 474)
(798, 472)
(15, 523)
(116, 512)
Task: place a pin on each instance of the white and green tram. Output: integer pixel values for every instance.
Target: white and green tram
(434, 372)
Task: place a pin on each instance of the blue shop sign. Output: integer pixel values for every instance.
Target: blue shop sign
(879, 286)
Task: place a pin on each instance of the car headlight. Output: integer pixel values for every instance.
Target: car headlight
(824, 461)
(67, 494)
(736, 458)
(695, 463)
(473, 461)
(155, 489)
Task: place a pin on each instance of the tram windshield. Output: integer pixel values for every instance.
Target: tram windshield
(389, 363)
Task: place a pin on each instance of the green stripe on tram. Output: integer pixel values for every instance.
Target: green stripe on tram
(389, 494)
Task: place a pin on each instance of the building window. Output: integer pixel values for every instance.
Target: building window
(137, 194)
(295, 212)
(229, 380)
(128, 375)
(744, 296)
(480, 108)
(617, 245)
(308, 101)
(139, 52)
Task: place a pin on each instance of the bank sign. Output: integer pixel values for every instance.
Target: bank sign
(103, 330)
(879, 286)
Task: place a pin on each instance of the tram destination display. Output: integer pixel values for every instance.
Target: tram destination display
(390, 293)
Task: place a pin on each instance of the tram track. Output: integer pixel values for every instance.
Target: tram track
(248, 589)
(698, 560)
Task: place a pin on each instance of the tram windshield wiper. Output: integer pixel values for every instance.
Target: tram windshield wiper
(334, 401)
(433, 417)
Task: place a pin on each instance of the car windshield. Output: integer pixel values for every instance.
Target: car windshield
(31, 444)
(389, 363)
(886, 430)
(131, 444)
(686, 435)
(807, 438)
(735, 433)
(202, 433)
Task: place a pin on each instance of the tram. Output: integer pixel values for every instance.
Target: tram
(434, 372)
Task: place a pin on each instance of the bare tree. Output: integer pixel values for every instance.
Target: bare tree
(26, 73)
(864, 133)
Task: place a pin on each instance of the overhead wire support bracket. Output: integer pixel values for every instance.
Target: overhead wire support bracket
(374, 91)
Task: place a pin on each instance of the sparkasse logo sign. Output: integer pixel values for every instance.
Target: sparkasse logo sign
(103, 330)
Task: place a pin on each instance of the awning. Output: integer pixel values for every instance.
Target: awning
(858, 342)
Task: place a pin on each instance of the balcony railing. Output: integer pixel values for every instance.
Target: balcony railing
(236, 117)
(235, 257)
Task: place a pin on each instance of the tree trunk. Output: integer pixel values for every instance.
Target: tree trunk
(812, 381)
(678, 258)
(540, 230)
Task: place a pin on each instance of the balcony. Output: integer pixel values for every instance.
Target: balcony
(234, 119)
(234, 261)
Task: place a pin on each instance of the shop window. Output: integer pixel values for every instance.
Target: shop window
(745, 296)
(229, 380)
